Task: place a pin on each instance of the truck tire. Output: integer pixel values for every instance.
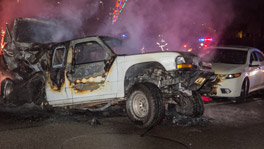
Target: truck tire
(144, 105)
(7, 87)
(192, 106)
(199, 104)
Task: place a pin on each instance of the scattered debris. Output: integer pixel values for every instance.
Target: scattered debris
(25, 112)
(186, 121)
(95, 121)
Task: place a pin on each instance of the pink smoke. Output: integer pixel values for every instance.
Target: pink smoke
(178, 21)
(73, 13)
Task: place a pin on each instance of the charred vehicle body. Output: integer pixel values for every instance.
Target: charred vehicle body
(91, 73)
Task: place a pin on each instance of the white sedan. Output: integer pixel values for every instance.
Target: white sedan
(240, 70)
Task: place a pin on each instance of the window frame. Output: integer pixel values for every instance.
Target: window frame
(254, 55)
(63, 57)
(84, 42)
(259, 54)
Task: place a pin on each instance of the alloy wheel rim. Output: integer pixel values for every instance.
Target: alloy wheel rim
(140, 105)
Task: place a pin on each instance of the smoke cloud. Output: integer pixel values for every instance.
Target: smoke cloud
(177, 22)
(72, 14)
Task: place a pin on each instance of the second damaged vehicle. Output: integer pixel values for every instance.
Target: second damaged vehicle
(90, 73)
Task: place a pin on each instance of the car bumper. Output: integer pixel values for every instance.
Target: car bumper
(229, 87)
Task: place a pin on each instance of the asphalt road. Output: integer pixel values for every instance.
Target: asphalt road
(224, 125)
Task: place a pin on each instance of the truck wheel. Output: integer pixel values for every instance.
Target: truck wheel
(7, 87)
(145, 105)
(198, 104)
(192, 106)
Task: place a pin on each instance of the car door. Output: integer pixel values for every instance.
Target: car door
(261, 67)
(254, 74)
(89, 75)
(57, 87)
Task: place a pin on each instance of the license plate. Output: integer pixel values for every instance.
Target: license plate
(200, 80)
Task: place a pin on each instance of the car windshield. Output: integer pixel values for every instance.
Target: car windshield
(227, 56)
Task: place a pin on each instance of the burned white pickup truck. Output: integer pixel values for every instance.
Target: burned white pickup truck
(90, 73)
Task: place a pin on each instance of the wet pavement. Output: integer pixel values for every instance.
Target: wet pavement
(224, 125)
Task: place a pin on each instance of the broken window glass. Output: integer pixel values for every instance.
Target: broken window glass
(58, 57)
(89, 52)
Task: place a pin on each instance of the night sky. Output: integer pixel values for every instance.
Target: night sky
(249, 18)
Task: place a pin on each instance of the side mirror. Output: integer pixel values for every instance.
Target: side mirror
(254, 64)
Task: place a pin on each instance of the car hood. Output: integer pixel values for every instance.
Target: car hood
(221, 68)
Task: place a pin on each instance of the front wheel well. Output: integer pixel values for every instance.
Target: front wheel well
(246, 78)
(139, 69)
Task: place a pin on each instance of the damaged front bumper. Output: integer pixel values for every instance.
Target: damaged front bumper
(192, 80)
(171, 82)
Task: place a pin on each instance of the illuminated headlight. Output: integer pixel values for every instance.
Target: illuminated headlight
(181, 63)
(231, 76)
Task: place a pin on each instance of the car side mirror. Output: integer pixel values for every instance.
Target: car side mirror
(254, 64)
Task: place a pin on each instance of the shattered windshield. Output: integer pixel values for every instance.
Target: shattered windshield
(227, 56)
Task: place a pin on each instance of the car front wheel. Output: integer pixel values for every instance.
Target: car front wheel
(145, 105)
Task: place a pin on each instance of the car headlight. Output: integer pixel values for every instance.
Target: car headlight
(231, 76)
(181, 62)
